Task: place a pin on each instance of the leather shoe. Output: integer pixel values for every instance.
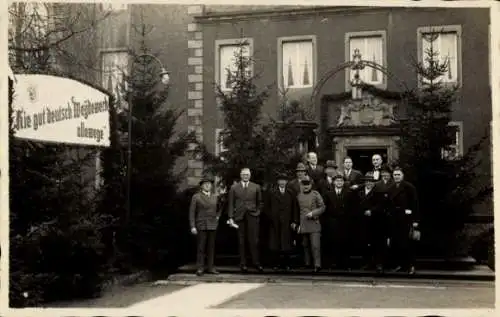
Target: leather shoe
(199, 272)
(317, 269)
(244, 269)
(260, 269)
(213, 271)
(411, 271)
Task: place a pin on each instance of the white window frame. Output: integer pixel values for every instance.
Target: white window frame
(124, 68)
(281, 70)
(348, 56)
(457, 29)
(219, 147)
(459, 141)
(115, 6)
(224, 43)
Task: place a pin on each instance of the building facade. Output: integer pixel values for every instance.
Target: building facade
(304, 51)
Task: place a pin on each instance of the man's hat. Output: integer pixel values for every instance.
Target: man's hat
(385, 168)
(338, 175)
(369, 177)
(301, 167)
(281, 176)
(331, 164)
(206, 179)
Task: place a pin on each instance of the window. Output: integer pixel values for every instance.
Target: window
(297, 64)
(455, 150)
(228, 66)
(445, 43)
(371, 48)
(114, 6)
(219, 146)
(114, 66)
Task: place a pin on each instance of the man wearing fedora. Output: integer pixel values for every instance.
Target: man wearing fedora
(203, 220)
(244, 207)
(294, 185)
(338, 218)
(280, 208)
(371, 213)
(311, 206)
(326, 183)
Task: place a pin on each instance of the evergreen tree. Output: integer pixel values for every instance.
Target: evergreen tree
(250, 139)
(448, 185)
(150, 231)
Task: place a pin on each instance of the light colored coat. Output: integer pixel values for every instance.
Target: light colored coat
(310, 202)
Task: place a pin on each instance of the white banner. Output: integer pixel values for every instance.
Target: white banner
(56, 109)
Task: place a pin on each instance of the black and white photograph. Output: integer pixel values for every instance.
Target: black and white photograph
(169, 156)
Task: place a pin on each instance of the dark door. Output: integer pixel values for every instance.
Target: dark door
(362, 158)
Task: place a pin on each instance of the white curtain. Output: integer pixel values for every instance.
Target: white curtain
(227, 62)
(446, 47)
(371, 49)
(114, 66)
(297, 64)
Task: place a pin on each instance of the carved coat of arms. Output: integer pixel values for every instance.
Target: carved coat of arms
(365, 112)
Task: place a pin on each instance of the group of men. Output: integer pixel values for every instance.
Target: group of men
(327, 209)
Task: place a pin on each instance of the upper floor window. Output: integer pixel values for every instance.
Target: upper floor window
(228, 63)
(114, 67)
(444, 44)
(371, 47)
(297, 64)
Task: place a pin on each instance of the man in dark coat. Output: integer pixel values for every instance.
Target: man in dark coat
(294, 185)
(313, 169)
(370, 206)
(385, 180)
(244, 207)
(403, 215)
(280, 208)
(353, 177)
(326, 183)
(338, 222)
(203, 220)
(378, 164)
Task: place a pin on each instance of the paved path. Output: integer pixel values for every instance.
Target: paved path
(168, 296)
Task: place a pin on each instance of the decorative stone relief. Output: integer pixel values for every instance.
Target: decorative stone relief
(367, 111)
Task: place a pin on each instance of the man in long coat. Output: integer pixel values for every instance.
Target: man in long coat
(244, 207)
(294, 185)
(311, 206)
(404, 216)
(370, 208)
(280, 208)
(338, 219)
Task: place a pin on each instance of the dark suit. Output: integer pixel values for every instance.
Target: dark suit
(402, 197)
(316, 174)
(280, 210)
(325, 185)
(244, 206)
(355, 177)
(337, 219)
(373, 227)
(204, 216)
(376, 172)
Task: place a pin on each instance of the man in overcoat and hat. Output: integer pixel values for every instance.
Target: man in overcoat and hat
(338, 219)
(372, 216)
(326, 183)
(294, 185)
(244, 207)
(280, 208)
(203, 219)
(403, 218)
(311, 206)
